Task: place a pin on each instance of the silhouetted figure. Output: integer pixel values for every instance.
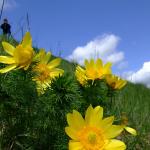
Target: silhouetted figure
(6, 27)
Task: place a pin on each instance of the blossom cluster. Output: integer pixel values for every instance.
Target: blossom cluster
(97, 71)
(23, 56)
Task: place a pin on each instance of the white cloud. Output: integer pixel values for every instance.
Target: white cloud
(9, 4)
(115, 57)
(140, 76)
(104, 47)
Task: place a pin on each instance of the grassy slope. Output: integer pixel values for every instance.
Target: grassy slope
(134, 101)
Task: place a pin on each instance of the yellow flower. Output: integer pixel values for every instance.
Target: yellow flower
(96, 70)
(93, 70)
(20, 56)
(93, 132)
(45, 70)
(115, 82)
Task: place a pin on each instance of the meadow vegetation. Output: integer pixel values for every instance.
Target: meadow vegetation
(33, 121)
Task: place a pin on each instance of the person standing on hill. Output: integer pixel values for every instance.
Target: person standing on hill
(6, 27)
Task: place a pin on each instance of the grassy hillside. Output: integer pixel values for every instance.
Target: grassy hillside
(133, 101)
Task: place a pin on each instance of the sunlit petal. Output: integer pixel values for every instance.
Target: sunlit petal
(8, 68)
(115, 145)
(8, 48)
(7, 60)
(27, 39)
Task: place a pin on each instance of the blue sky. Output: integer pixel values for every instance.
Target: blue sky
(67, 24)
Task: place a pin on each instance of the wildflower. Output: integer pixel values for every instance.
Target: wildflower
(115, 82)
(20, 56)
(45, 70)
(93, 70)
(93, 132)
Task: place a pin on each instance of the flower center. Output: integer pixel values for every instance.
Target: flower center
(92, 138)
(42, 71)
(92, 73)
(23, 55)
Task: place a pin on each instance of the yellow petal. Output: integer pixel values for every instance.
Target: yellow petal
(97, 116)
(81, 75)
(8, 68)
(71, 133)
(109, 79)
(131, 130)
(75, 145)
(115, 145)
(99, 64)
(54, 63)
(78, 117)
(56, 72)
(107, 122)
(113, 131)
(39, 56)
(88, 113)
(92, 63)
(8, 48)
(98, 111)
(46, 58)
(75, 120)
(118, 84)
(107, 68)
(80, 71)
(94, 116)
(7, 60)
(27, 40)
(123, 84)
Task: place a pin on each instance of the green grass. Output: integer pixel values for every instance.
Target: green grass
(134, 100)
